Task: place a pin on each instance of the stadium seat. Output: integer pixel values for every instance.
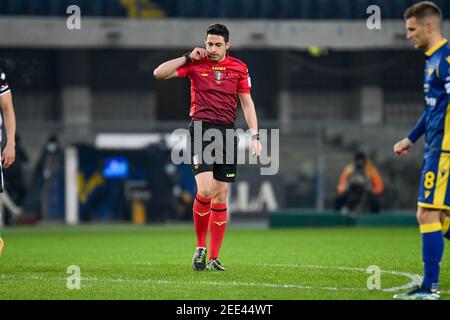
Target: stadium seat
(68, 3)
(17, 7)
(306, 9)
(253, 9)
(3, 7)
(56, 8)
(93, 8)
(250, 8)
(324, 9)
(114, 8)
(398, 7)
(169, 6)
(386, 8)
(38, 7)
(288, 9)
(59, 7)
(360, 8)
(209, 9)
(268, 9)
(188, 8)
(343, 9)
(229, 8)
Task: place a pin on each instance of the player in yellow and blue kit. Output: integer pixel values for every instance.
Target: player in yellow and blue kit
(423, 23)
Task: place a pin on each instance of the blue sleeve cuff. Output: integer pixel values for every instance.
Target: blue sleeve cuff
(413, 136)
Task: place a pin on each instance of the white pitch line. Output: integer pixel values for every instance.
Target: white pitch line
(415, 278)
(228, 283)
(210, 283)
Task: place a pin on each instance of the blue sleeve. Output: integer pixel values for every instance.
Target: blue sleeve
(418, 130)
(444, 74)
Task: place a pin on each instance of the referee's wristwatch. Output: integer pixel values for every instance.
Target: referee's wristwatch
(255, 136)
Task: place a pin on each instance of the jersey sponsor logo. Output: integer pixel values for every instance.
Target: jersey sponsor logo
(219, 68)
(447, 87)
(431, 101)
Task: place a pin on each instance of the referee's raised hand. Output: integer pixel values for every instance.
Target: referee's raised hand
(198, 54)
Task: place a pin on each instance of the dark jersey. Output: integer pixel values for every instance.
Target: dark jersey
(4, 87)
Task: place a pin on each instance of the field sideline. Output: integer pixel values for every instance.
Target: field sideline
(154, 262)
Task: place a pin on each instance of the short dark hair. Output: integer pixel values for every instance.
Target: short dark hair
(219, 30)
(422, 10)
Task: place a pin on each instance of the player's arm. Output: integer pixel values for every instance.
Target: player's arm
(343, 180)
(402, 147)
(168, 69)
(9, 152)
(248, 107)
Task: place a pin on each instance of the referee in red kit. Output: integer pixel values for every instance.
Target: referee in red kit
(217, 79)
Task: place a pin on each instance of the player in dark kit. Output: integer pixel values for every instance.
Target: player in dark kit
(9, 152)
(423, 21)
(217, 80)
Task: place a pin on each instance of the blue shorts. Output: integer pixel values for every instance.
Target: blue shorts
(434, 191)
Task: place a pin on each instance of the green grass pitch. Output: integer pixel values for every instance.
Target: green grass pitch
(154, 262)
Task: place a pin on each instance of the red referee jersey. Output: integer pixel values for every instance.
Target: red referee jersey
(214, 88)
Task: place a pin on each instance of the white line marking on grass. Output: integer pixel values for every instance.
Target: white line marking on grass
(415, 278)
(217, 283)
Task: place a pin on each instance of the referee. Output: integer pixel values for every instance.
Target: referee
(9, 152)
(217, 80)
(9, 118)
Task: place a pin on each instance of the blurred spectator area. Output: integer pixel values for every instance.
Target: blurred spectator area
(234, 9)
(322, 106)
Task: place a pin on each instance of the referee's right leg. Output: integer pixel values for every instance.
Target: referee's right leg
(201, 213)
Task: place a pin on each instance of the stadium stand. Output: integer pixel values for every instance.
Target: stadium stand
(234, 9)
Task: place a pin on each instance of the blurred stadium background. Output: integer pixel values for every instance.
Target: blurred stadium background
(331, 86)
